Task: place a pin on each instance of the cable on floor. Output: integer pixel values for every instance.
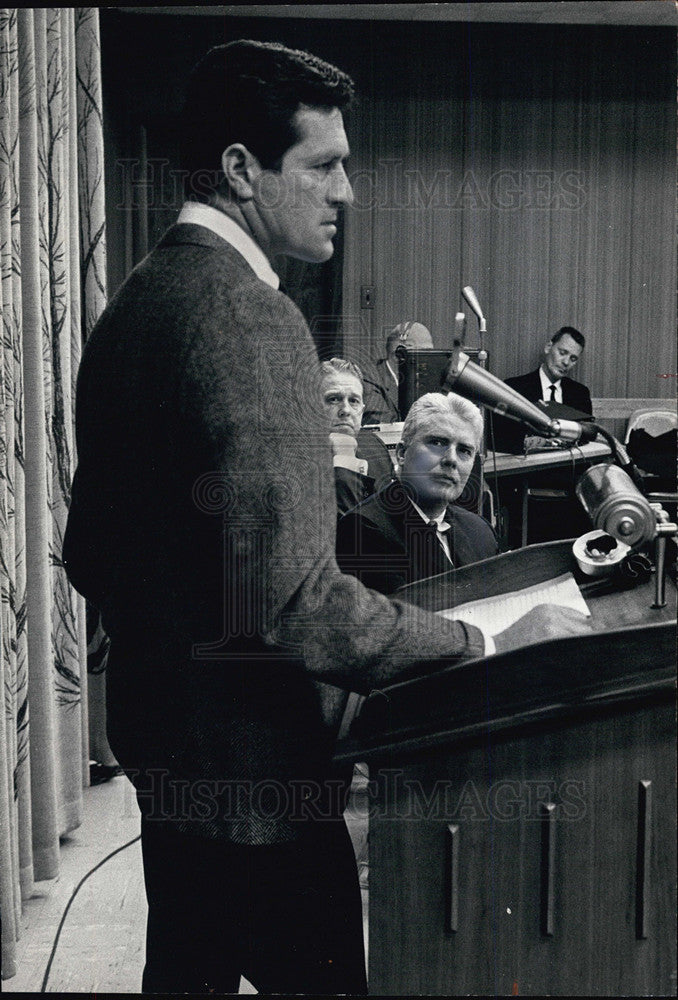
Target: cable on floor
(43, 988)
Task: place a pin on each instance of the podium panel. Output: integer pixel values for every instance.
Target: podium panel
(523, 808)
(544, 834)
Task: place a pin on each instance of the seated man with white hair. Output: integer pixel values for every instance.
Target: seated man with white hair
(412, 528)
(380, 380)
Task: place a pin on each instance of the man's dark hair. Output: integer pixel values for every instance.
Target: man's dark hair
(248, 92)
(578, 337)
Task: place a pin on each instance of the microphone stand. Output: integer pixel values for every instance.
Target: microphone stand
(482, 363)
(482, 353)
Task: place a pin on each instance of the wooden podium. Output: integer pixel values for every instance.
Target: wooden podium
(523, 807)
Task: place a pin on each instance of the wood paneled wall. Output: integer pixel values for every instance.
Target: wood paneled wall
(534, 162)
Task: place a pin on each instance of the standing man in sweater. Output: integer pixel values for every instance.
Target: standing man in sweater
(202, 524)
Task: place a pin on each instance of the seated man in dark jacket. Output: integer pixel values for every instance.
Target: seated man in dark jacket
(411, 529)
(549, 384)
(361, 460)
(380, 379)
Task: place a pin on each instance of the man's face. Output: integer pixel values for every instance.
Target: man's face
(343, 402)
(299, 204)
(438, 461)
(561, 356)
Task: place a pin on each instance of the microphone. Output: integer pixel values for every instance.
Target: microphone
(472, 301)
(476, 384)
(615, 505)
(459, 328)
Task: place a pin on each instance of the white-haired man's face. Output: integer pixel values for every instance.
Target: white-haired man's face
(438, 460)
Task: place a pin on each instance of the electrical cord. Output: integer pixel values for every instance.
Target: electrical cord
(621, 457)
(43, 988)
(573, 461)
(498, 518)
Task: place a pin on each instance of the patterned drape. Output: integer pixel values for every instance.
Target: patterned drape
(52, 290)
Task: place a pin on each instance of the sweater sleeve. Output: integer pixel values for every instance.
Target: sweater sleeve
(252, 391)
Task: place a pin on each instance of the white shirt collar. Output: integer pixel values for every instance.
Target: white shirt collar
(197, 214)
(440, 522)
(546, 384)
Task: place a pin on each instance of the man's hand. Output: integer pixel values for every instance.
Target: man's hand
(533, 442)
(546, 621)
(343, 444)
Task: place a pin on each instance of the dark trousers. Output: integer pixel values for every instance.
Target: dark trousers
(287, 917)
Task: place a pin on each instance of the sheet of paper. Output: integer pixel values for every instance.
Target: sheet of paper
(494, 614)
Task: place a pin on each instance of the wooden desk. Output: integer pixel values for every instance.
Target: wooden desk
(559, 468)
(522, 831)
(558, 458)
(515, 465)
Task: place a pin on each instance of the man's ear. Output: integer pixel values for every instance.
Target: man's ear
(240, 169)
(548, 346)
(400, 452)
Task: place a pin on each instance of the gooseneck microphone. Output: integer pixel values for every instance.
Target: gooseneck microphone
(609, 494)
(473, 303)
(472, 381)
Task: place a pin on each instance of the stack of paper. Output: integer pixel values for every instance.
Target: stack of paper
(494, 614)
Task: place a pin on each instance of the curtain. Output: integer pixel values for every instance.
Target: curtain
(52, 290)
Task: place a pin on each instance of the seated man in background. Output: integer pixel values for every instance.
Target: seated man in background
(549, 384)
(380, 382)
(361, 460)
(411, 529)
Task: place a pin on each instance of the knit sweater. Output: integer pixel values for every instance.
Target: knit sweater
(202, 524)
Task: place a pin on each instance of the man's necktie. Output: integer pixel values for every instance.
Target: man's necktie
(552, 387)
(429, 557)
